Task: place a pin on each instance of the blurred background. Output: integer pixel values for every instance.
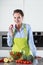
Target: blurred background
(33, 11)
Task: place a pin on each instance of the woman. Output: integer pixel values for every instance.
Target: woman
(20, 35)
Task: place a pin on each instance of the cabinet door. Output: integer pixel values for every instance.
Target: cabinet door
(4, 41)
(41, 41)
(38, 40)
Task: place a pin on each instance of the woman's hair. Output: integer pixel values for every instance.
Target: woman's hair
(18, 11)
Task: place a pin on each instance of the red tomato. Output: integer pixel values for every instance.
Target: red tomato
(29, 62)
(16, 61)
(1, 60)
(21, 61)
(24, 62)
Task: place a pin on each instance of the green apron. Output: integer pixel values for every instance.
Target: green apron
(20, 44)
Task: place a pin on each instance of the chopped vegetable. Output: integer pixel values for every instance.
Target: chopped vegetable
(16, 55)
(6, 60)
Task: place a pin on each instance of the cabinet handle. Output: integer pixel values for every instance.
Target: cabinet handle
(35, 41)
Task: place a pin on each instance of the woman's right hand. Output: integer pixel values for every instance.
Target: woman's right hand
(11, 29)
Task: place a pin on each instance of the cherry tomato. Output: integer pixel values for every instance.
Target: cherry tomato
(16, 61)
(24, 62)
(21, 61)
(27, 62)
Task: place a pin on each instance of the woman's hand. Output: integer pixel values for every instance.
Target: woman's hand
(11, 30)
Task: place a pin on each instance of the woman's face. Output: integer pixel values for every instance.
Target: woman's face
(18, 18)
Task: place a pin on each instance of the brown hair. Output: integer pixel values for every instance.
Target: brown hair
(18, 11)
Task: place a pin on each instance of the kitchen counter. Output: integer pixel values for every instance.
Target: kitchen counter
(35, 62)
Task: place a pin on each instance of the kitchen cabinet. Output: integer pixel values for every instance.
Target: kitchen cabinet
(38, 39)
(4, 41)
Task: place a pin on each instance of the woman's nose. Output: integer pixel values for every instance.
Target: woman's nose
(16, 19)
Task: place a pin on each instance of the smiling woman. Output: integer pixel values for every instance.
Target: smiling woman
(20, 36)
(18, 17)
(33, 11)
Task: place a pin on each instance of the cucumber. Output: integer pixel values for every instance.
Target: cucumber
(30, 58)
(24, 57)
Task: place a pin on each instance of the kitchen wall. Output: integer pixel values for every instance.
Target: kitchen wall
(33, 10)
(6, 12)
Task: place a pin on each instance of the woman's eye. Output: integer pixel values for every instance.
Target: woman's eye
(14, 17)
(18, 17)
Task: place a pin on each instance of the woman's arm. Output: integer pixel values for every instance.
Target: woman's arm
(31, 42)
(10, 36)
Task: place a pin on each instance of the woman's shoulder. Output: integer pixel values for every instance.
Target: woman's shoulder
(27, 25)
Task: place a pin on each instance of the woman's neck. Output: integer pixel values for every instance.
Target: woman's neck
(18, 26)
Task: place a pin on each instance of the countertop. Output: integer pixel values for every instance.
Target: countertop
(35, 62)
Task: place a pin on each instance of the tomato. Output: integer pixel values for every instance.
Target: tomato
(1, 60)
(21, 61)
(29, 62)
(16, 61)
(24, 62)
